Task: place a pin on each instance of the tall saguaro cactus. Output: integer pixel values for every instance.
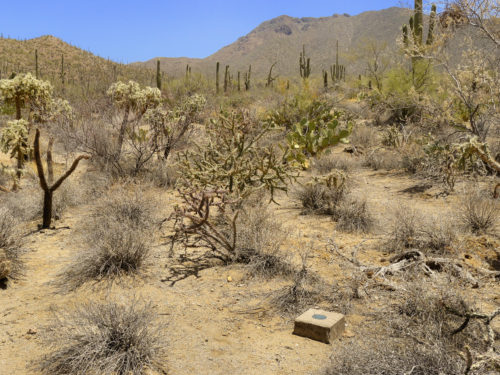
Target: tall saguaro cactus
(36, 64)
(337, 71)
(62, 72)
(158, 74)
(304, 64)
(226, 78)
(418, 21)
(415, 33)
(217, 77)
(247, 78)
(270, 78)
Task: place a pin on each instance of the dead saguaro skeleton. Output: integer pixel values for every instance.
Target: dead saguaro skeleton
(49, 190)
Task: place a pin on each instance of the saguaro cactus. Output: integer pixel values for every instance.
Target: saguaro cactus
(158, 75)
(415, 34)
(325, 79)
(36, 64)
(270, 77)
(304, 64)
(217, 77)
(49, 190)
(226, 78)
(418, 21)
(62, 72)
(337, 71)
(247, 78)
(432, 22)
(239, 82)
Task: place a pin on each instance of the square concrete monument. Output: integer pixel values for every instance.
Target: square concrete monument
(320, 325)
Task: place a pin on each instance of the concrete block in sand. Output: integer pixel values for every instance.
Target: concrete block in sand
(320, 325)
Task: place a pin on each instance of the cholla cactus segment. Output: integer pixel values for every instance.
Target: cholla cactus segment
(13, 137)
(24, 89)
(131, 95)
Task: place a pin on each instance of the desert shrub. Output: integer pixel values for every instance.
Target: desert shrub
(478, 213)
(26, 204)
(307, 289)
(328, 163)
(411, 230)
(10, 245)
(114, 250)
(130, 207)
(104, 338)
(258, 242)
(162, 175)
(322, 196)
(382, 160)
(390, 356)
(118, 241)
(417, 337)
(353, 215)
(364, 136)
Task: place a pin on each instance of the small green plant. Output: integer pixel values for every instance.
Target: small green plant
(311, 137)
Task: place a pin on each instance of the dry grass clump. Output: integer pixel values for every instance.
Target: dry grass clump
(318, 198)
(307, 290)
(104, 338)
(353, 215)
(382, 160)
(10, 246)
(162, 175)
(411, 230)
(131, 208)
(364, 136)
(328, 162)
(479, 214)
(415, 336)
(25, 203)
(118, 241)
(258, 241)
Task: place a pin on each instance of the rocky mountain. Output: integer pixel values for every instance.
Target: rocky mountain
(281, 39)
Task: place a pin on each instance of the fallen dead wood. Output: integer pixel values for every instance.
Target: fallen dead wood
(412, 259)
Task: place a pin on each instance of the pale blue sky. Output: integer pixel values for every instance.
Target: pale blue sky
(128, 31)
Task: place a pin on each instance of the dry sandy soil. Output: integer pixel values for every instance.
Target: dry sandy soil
(214, 326)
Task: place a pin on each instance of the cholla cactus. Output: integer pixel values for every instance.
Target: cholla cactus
(23, 90)
(131, 97)
(14, 140)
(171, 126)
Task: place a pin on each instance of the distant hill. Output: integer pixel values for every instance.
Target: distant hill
(280, 40)
(82, 69)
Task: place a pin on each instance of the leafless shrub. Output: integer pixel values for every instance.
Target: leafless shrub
(246, 234)
(478, 213)
(419, 336)
(10, 244)
(364, 136)
(118, 240)
(114, 250)
(411, 230)
(162, 175)
(104, 338)
(389, 356)
(25, 204)
(126, 205)
(327, 163)
(258, 243)
(353, 215)
(317, 197)
(307, 290)
(382, 160)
